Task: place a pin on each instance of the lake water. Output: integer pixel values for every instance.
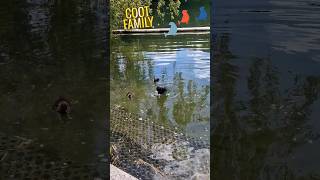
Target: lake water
(181, 63)
(50, 49)
(266, 89)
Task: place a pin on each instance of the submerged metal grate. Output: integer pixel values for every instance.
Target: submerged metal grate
(148, 150)
(22, 158)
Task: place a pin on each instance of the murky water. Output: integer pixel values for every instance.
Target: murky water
(266, 90)
(50, 49)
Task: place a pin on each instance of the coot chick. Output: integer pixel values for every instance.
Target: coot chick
(161, 90)
(129, 95)
(155, 80)
(63, 107)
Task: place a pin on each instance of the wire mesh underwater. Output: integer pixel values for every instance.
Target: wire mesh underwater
(22, 158)
(147, 150)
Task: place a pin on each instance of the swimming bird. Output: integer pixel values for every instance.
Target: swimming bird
(155, 80)
(203, 14)
(161, 90)
(63, 107)
(173, 30)
(129, 95)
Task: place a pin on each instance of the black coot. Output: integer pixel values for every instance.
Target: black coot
(155, 80)
(161, 90)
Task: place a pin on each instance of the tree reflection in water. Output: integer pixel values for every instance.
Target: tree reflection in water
(133, 71)
(255, 136)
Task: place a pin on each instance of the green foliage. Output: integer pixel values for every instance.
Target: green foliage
(161, 3)
(173, 8)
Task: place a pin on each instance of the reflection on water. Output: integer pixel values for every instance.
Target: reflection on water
(182, 65)
(50, 49)
(266, 93)
(299, 17)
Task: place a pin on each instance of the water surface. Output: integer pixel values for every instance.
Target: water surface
(266, 89)
(50, 49)
(181, 63)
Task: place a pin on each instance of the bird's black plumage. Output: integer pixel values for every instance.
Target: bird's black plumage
(161, 90)
(155, 80)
